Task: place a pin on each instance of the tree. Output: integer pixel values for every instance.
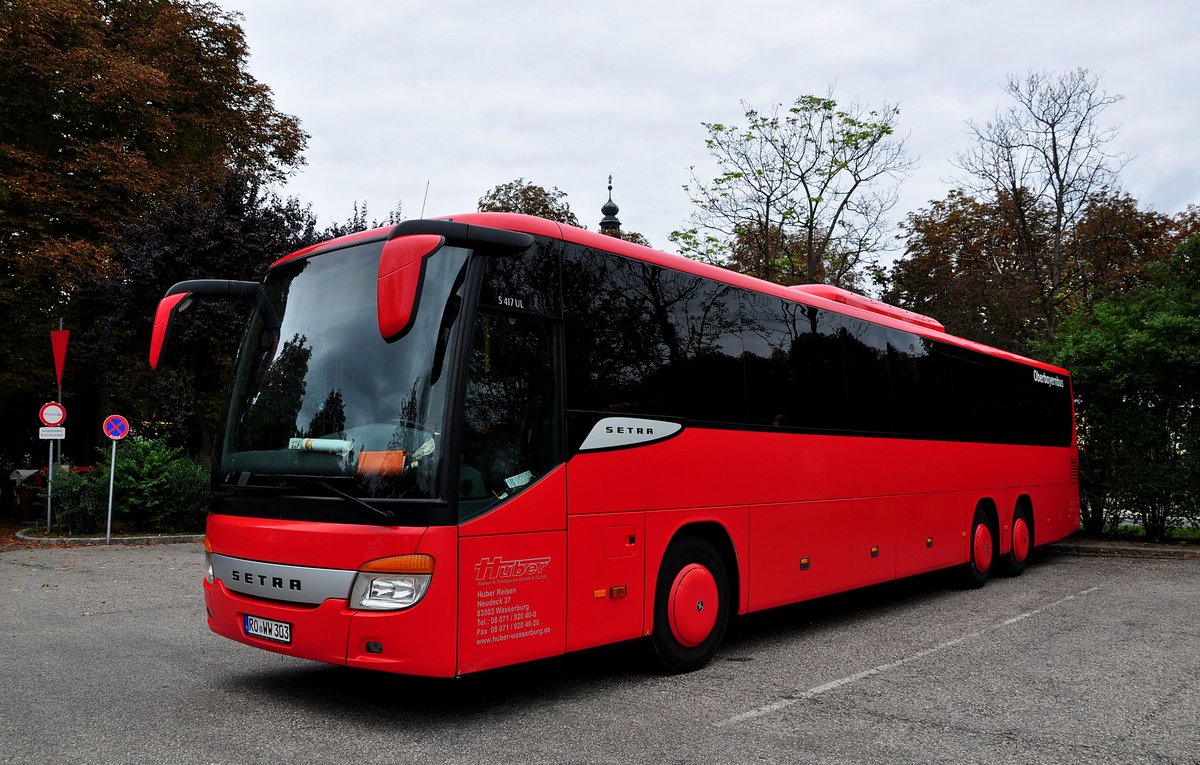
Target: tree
(358, 221)
(234, 231)
(521, 196)
(1048, 152)
(109, 108)
(961, 265)
(632, 237)
(801, 191)
(112, 105)
(968, 263)
(1135, 359)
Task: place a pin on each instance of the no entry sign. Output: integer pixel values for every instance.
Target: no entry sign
(52, 414)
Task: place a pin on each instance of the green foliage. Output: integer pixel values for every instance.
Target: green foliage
(970, 265)
(80, 501)
(157, 488)
(521, 196)
(110, 108)
(231, 231)
(1135, 359)
(800, 194)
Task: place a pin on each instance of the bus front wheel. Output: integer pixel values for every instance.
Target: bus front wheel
(691, 605)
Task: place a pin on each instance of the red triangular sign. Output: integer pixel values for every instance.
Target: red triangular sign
(58, 338)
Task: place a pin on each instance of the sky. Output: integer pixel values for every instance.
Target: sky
(461, 95)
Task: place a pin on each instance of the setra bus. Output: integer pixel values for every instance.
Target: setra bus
(459, 444)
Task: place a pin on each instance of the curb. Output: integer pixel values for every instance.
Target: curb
(1124, 551)
(153, 539)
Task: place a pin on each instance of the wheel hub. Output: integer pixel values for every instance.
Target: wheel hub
(983, 548)
(691, 622)
(1020, 540)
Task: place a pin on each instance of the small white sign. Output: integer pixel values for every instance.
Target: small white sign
(52, 434)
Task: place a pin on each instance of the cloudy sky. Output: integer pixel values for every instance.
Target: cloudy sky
(466, 95)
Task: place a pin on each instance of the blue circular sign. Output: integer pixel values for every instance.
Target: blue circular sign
(116, 427)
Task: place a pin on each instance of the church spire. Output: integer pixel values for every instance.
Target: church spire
(609, 224)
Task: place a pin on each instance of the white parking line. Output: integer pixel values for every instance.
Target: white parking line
(844, 681)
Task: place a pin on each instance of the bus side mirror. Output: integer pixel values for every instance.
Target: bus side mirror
(168, 308)
(180, 296)
(398, 288)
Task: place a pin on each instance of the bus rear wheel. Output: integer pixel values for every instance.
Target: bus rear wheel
(983, 551)
(691, 605)
(1020, 545)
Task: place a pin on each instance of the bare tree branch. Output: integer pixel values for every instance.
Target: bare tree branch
(802, 191)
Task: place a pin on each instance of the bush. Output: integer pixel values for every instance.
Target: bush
(80, 502)
(157, 488)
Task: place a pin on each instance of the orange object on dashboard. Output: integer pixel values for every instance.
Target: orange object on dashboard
(381, 463)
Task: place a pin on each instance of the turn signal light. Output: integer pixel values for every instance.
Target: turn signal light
(401, 564)
(208, 561)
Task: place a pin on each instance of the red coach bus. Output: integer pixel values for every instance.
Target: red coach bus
(459, 444)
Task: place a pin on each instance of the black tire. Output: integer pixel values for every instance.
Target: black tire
(689, 646)
(979, 567)
(1019, 549)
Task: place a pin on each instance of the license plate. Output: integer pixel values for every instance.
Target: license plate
(267, 629)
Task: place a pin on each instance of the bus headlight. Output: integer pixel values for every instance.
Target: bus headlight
(208, 562)
(390, 584)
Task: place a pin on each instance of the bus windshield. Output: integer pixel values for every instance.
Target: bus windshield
(318, 394)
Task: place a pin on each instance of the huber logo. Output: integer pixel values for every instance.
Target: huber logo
(1051, 380)
(488, 569)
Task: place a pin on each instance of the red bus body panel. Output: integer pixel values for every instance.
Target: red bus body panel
(860, 510)
(606, 579)
(572, 561)
(513, 578)
(415, 641)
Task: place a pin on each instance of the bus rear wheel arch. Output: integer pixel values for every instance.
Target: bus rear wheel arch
(692, 604)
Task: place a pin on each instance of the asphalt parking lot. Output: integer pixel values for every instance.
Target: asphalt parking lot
(1082, 659)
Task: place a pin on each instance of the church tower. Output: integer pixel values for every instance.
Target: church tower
(609, 224)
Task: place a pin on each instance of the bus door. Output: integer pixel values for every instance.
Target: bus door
(511, 489)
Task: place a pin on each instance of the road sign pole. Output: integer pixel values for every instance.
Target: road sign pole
(115, 427)
(49, 486)
(112, 472)
(52, 414)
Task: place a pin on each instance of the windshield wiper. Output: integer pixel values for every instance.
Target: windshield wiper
(369, 510)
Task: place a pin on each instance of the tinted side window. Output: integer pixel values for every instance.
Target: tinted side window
(794, 367)
(707, 375)
(648, 340)
(867, 387)
(527, 282)
(511, 413)
(1040, 410)
(976, 396)
(910, 414)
